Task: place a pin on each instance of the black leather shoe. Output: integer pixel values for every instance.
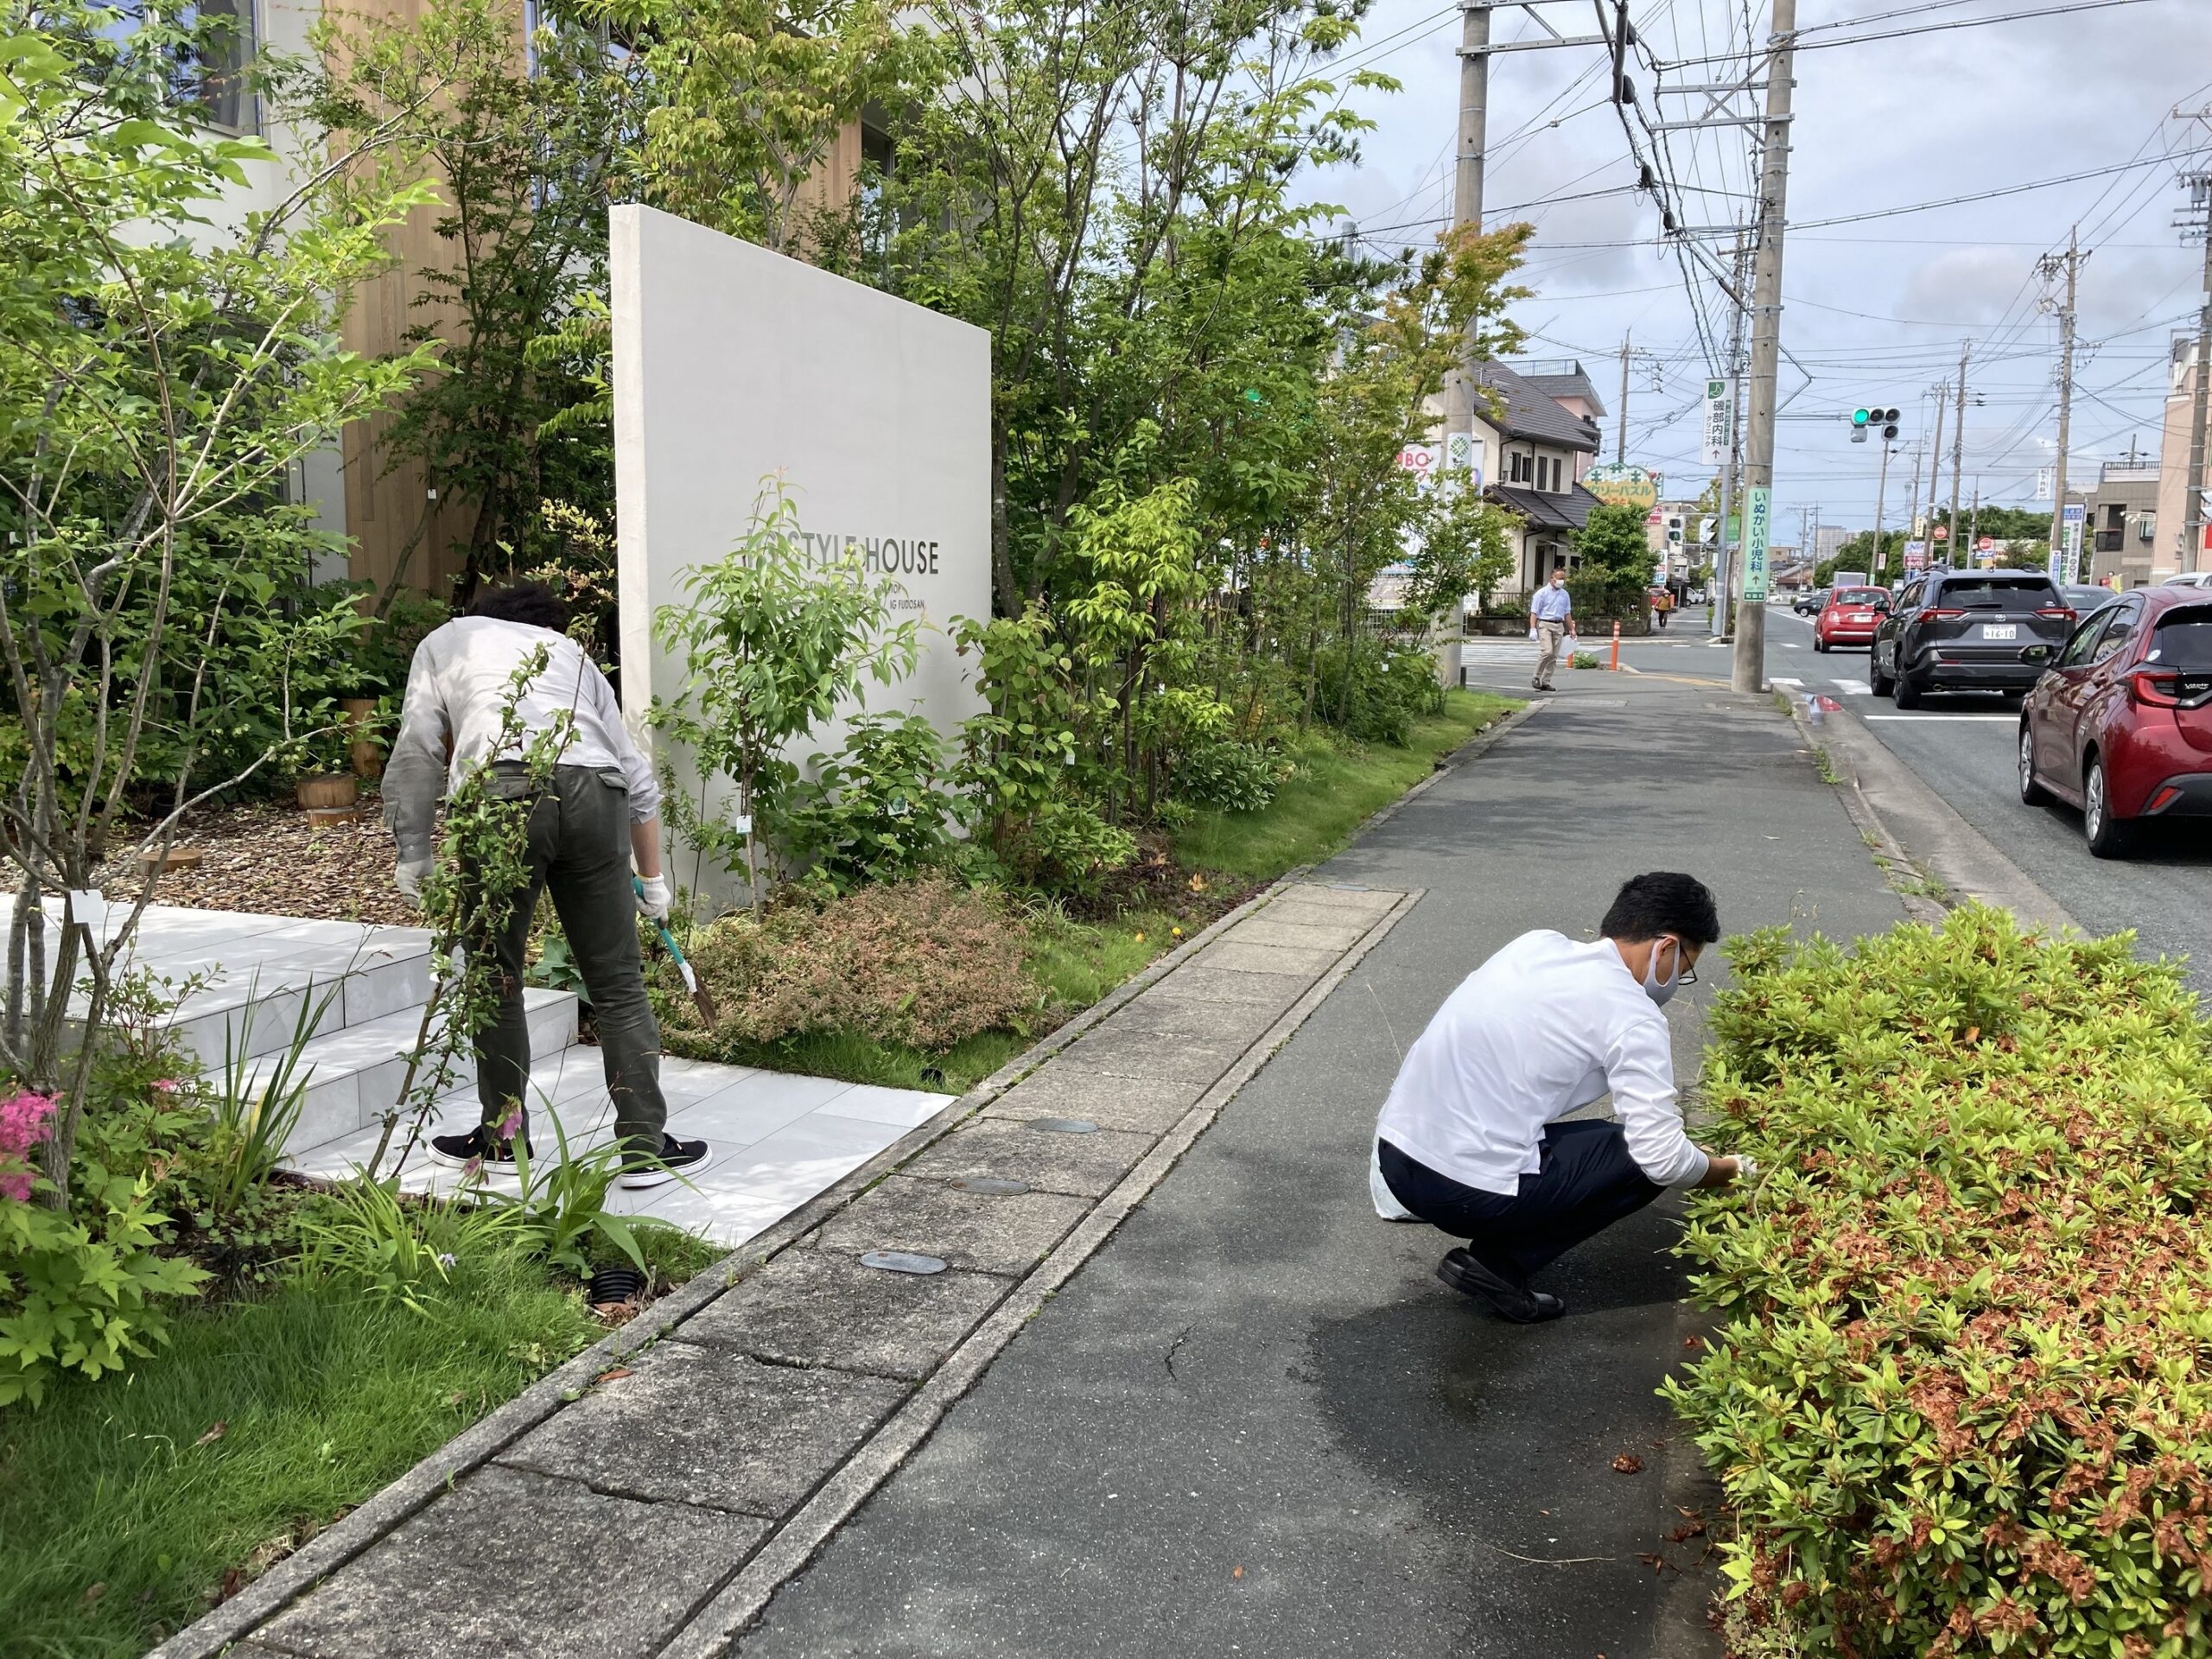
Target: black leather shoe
(1505, 1298)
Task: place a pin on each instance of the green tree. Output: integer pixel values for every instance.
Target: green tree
(1612, 544)
(770, 645)
(524, 142)
(156, 384)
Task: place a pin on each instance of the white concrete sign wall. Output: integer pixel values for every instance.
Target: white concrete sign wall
(732, 363)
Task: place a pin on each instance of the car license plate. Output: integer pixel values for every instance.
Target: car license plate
(2001, 630)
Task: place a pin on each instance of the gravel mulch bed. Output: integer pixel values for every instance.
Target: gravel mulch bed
(266, 857)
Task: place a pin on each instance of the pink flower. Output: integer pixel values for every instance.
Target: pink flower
(509, 1126)
(167, 1085)
(24, 1122)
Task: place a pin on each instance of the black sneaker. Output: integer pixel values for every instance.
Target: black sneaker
(1505, 1298)
(678, 1158)
(478, 1147)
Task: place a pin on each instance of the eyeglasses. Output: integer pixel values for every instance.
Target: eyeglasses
(1685, 969)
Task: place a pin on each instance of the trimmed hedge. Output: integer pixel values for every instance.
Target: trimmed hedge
(1962, 1400)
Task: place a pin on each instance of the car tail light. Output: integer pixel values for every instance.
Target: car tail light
(1940, 616)
(2165, 798)
(2062, 612)
(2148, 688)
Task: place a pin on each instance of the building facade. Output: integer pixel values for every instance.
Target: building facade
(1533, 451)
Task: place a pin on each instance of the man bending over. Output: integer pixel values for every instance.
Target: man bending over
(1471, 1141)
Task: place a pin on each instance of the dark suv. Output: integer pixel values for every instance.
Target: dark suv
(1969, 631)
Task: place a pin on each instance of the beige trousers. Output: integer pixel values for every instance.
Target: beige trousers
(1549, 636)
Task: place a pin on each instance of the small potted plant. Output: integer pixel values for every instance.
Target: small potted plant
(322, 784)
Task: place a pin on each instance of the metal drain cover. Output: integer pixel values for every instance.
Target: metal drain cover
(997, 1185)
(902, 1261)
(1063, 1126)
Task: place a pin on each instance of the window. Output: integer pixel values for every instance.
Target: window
(1995, 592)
(1910, 600)
(2184, 639)
(2077, 648)
(2120, 621)
(208, 66)
(1517, 468)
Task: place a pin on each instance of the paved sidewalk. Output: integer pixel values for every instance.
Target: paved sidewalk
(1255, 1423)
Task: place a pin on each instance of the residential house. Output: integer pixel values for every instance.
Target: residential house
(1563, 381)
(1533, 452)
(2169, 554)
(2122, 522)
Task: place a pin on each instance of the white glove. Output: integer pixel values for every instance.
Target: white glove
(1747, 1168)
(407, 878)
(653, 896)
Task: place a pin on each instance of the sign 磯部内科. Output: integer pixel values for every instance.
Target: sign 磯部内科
(1719, 422)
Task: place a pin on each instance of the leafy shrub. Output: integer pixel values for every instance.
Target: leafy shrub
(1960, 1403)
(1066, 848)
(878, 812)
(1230, 776)
(925, 962)
(1388, 689)
(75, 1295)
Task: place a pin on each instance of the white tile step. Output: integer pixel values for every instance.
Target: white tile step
(354, 1074)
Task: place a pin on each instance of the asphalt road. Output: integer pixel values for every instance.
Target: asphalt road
(1963, 748)
(1255, 1423)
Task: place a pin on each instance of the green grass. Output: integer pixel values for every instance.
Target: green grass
(118, 1516)
(1339, 786)
(1078, 962)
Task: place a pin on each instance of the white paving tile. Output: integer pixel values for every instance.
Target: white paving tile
(902, 1109)
(757, 1107)
(753, 1187)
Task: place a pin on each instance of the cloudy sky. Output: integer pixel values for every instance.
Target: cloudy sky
(1877, 308)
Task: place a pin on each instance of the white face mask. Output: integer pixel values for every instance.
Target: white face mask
(1662, 991)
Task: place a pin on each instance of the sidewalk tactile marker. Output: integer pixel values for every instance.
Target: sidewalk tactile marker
(1063, 1126)
(902, 1261)
(997, 1185)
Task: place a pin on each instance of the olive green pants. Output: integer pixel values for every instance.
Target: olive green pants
(579, 851)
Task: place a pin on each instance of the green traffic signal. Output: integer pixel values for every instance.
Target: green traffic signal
(1860, 416)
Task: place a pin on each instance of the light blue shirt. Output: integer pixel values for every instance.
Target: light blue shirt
(1551, 605)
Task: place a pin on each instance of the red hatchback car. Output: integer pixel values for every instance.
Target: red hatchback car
(2120, 724)
(1850, 616)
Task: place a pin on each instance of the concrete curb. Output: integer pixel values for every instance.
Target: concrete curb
(714, 1630)
(1913, 827)
(363, 1527)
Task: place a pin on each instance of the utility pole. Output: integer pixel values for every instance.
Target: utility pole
(1724, 567)
(1620, 443)
(1468, 179)
(1879, 563)
(1748, 669)
(2193, 486)
(1912, 506)
(2049, 266)
(1958, 441)
(1942, 392)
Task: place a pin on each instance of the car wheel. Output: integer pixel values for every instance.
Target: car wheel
(1819, 644)
(1907, 694)
(2107, 835)
(2032, 792)
(1876, 681)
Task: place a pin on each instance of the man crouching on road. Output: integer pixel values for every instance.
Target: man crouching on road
(1469, 1139)
(601, 811)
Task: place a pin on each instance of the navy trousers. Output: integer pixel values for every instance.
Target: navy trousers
(1586, 1182)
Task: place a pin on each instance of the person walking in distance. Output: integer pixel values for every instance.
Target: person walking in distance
(1475, 1137)
(1551, 621)
(600, 810)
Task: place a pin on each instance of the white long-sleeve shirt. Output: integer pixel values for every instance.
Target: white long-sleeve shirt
(1545, 1026)
(457, 685)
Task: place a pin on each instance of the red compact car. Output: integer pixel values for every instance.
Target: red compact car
(2120, 724)
(1850, 616)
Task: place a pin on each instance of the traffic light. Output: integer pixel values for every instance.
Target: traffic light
(1872, 416)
